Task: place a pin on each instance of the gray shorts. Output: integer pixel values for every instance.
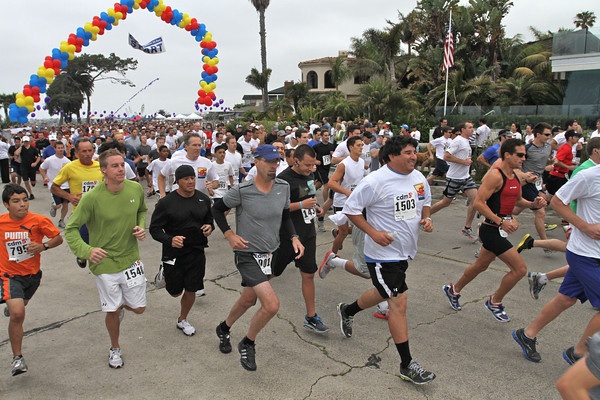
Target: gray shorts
(358, 240)
(455, 186)
(249, 269)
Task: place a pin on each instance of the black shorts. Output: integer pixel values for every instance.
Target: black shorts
(322, 176)
(28, 173)
(285, 255)
(492, 241)
(59, 200)
(554, 183)
(19, 286)
(529, 191)
(141, 171)
(249, 269)
(16, 168)
(186, 273)
(441, 167)
(389, 278)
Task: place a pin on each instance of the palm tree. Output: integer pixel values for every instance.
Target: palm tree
(340, 72)
(279, 108)
(260, 80)
(6, 100)
(388, 43)
(295, 93)
(585, 20)
(261, 6)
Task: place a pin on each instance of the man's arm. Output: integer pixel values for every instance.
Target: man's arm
(483, 161)
(336, 179)
(451, 158)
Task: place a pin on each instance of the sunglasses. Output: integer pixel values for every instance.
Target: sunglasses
(547, 134)
(520, 155)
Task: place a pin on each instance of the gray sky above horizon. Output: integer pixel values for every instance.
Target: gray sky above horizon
(296, 31)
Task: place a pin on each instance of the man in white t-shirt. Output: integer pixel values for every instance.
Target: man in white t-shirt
(235, 159)
(341, 151)
(458, 178)
(482, 134)
(596, 133)
(206, 179)
(224, 171)
(49, 169)
(248, 147)
(397, 200)
(156, 166)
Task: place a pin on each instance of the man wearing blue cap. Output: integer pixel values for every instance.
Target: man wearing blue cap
(262, 208)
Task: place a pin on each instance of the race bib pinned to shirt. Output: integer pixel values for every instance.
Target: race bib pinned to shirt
(17, 250)
(264, 262)
(405, 206)
(134, 275)
(86, 186)
(326, 160)
(308, 214)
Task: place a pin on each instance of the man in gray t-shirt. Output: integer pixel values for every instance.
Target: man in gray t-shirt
(262, 208)
(375, 146)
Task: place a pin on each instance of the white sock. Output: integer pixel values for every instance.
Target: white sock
(543, 278)
(337, 262)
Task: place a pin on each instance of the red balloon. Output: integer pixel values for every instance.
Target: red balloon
(201, 93)
(27, 92)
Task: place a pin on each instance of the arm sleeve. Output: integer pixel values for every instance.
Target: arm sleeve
(287, 227)
(159, 220)
(218, 212)
(142, 210)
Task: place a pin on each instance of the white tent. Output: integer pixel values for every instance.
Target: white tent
(193, 116)
(180, 116)
(160, 116)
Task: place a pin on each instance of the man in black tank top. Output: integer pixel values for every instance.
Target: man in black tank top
(498, 194)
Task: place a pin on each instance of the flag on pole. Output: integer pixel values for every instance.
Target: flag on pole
(449, 50)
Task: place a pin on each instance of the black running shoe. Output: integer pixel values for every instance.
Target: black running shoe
(526, 243)
(570, 356)
(81, 262)
(224, 340)
(247, 356)
(346, 321)
(416, 374)
(527, 345)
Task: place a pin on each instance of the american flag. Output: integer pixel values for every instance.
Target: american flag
(449, 50)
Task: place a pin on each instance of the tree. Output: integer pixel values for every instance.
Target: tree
(279, 108)
(388, 43)
(6, 100)
(260, 81)
(261, 6)
(66, 98)
(584, 20)
(340, 72)
(84, 70)
(295, 93)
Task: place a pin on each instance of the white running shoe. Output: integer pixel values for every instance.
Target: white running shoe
(114, 358)
(186, 328)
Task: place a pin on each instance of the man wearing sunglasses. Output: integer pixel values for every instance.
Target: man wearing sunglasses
(496, 198)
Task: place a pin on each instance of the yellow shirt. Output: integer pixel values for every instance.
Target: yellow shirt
(81, 178)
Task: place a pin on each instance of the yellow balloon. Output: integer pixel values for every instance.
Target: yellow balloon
(88, 27)
(208, 37)
(212, 85)
(49, 80)
(20, 102)
(20, 96)
(206, 59)
(203, 84)
(30, 108)
(29, 100)
(49, 73)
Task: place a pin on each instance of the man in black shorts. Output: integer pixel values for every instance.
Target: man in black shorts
(324, 150)
(258, 236)
(303, 210)
(15, 162)
(498, 194)
(21, 237)
(182, 221)
(30, 158)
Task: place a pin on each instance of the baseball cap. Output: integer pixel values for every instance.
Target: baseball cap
(288, 127)
(267, 151)
(238, 126)
(26, 138)
(405, 126)
(368, 125)
(368, 135)
(281, 133)
(183, 171)
(51, 137)
(388, 123)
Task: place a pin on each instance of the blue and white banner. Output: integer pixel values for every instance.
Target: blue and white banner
(153, 47)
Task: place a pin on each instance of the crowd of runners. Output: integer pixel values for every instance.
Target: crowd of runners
(376, 194)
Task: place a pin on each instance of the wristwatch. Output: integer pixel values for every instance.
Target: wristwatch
(46, 247)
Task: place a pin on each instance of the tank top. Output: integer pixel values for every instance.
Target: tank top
(504, 200)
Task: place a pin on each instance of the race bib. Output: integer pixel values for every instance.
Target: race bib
(264, 262)
(222, 185)
(17, 250)
(86, 186)
(308, 214)
(405, 207)
(326, 160)
(134, 275)
(352, 187)
(538, 183)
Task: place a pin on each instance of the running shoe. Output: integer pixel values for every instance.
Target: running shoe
(200, 293)
(497, 310)
(325, 266)
(452, 297)
(346, 321)
(550, 227)
(535, 287)
(468, 232)
(381, 313)
(224, 340)
(186, 327)
(114, 358)
(81, 262)
(321, 226)
(6, 312)
(61, 224)
(247, 356)
(315, 323)
(334, 232)
(570, 356)
(31, 196)
(548, 251)
(52, 211)
(526, 243)
(159, 279)
(18, 366)
(527, 345)
(416, 374)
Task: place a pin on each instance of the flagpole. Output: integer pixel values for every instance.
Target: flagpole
(446, 91)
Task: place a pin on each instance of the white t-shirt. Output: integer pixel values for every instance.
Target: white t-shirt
(155, 167)
(247, 158)
(235, 159)
(517, 135)
(394, 203)
(366, 155)
(594, 134)
(224, 171)
(440, 144)
(482, 133)
(341, 150)
(353, 173)
(459, 147)
(585, 188)
(52, 165)
(4, 146)
(416, 135)
(529, 138)
(252, 173)
(204, 171)
(129, 172)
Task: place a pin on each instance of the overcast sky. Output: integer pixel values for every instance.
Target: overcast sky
(296, 31)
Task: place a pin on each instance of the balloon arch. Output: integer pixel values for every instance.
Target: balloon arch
(60, 57)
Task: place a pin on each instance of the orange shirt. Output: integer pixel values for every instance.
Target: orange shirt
(14, 237)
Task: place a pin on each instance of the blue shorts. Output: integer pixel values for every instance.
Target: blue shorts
(582, 280)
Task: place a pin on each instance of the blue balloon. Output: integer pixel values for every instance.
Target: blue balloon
(194, 32)
(64, 55)
(80, 33)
